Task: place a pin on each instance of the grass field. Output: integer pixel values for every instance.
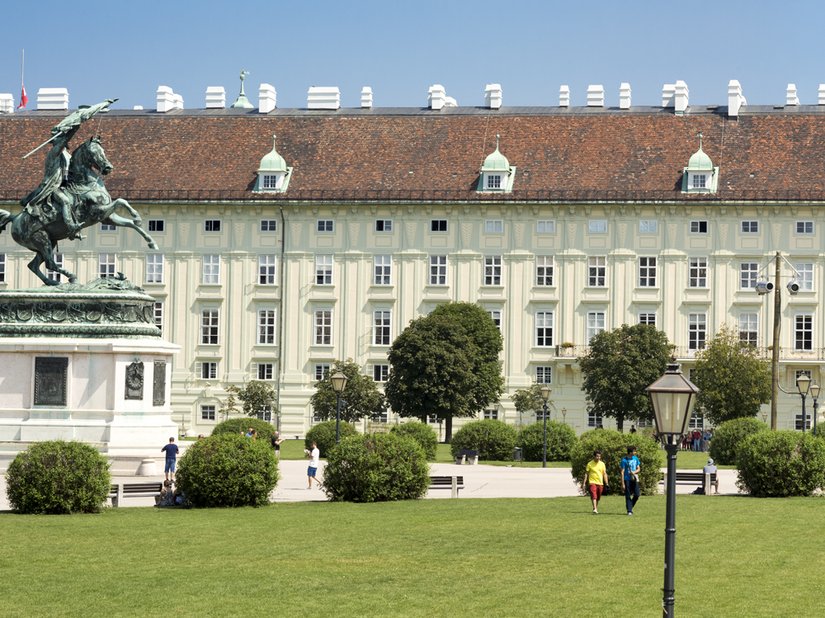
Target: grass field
(735, 556)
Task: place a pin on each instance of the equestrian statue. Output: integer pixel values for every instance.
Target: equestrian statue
(70, 197)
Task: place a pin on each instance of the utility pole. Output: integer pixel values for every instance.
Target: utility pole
(777, 327)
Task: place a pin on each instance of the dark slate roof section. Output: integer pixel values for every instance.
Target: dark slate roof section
(414, 154)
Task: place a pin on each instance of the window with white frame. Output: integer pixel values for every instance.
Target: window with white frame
(266, 371)
(207, 412)
(544, 329)
(52, 275)
(698, 227)
(492, 270)
(597, 226)
(597, 271)
(648, 318)
(266, 326)
(325, 226)
(381, 327)
(212, 225)
(380, 373)
(495, 316)
(699, 181)
(648, 226)
(748, 273)
(696, 420)
(544, 270)
(108, 227)
(211, 274)
(157, 312)
(323, 327)
(321, 371)
(803, 331)
(698, 272)
(156, 225)
(382, 269)
(491, 414)
(106, 265)
(595, 325)
(805, 227)
(647, 272)
(383, 225)
(209, 370)
(494, 226)
(750, 227)
(323, 270)
(438, 270)
(267, 269)
(798, 422)
(545, 226)
(697, 331)
(269, 225)
(209, 326)
(805, 276)
(748, 328)
(438, 225)
(154, 268)
(544, 374)
(594, 419)
(494, 181)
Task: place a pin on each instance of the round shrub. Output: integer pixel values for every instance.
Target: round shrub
(494, 440)
(560, 439)
(613, 446)
(819, 430)
(323, 434)
(227, 470)
(421, 433)
(728, 435)
(775, 464)
(58, 477)
(240, 426)
(376, 468)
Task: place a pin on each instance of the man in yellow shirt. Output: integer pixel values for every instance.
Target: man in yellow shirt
(595, 478)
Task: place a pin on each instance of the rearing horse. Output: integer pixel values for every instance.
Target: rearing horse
(91, 204)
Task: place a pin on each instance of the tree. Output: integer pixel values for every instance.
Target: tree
(527, 400)
(620, 365)
(360, 397)
(733, 381)
(229, 406)
(256, 397)
(446, 365)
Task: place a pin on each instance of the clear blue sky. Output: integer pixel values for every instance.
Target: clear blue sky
(531, 47)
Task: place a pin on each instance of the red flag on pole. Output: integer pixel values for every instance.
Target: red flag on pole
(23, 98)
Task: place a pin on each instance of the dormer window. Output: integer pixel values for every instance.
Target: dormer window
(700, 181)
(494, 182)
(273, 173)
(496, 173)
(271, 182)
(700, 176)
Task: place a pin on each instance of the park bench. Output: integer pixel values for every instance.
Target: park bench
(454, 483)
(119, 491)
(466, 455)
(696, 478)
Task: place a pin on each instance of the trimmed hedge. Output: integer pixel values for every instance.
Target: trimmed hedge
(58, 477)
(728, 435)
(376, 468)
(494, 440)
(775, 464)
(613, 446)
(560, 439)
(227, 469)
(421, 433)
(324, 435)
(240, 426)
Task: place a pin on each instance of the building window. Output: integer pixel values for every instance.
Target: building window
(383, 225)
(382, 327)
(269, 225)
(748, 272)
(156, 225)
(698, 272)
(266, 371)
(544, 374)
(266, 269)
(209, 326)
(158, 314)
(545, 226)
(698, 227)
(750, 227)
(544, 329)
(154, 268)
(805, 276)
(648, 226)
(596, 271)
(208, 412)
(494, 181)
(209, 370)
(325, 225)
(696, 421)
(491, 414)
(798, 422)
(647, 318)
(494, 226)
(323, 270)
(597, 226)
(700, 181)
(803, 331)
(805, 227)
(266, 326)
(321, 371)
(544, 270)
(495, 316)
(748, 328)
(697, 331)
(106, 265)
(108, 227)
(382, 270)
(211, 270)
(647, 272)
(3, 268)
(53, 275)
(380, 373)
(492, 270)
(594, 419)
(595, 325)
(212, 225)
(438, 270)
(323, 327)
(438, 225)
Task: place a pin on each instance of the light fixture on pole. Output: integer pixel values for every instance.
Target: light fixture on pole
(339, 383)
(815, 396)
(564, 415)
(673, 397)
(803, 385)
(545, 395)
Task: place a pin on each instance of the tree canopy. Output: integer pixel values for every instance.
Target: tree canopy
(527, 400)
(620, 365)
(733, 381)
(256, 397)
(360, 397)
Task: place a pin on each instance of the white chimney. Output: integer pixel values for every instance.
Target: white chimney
(267, 98)
(165, 99)
(450, 102)
(177, 101)
(493, 96)
(668, 92)
(435, 96)
(680, 97)
(323, 97)
(735, 98)
(366, 97)
(564, 96)
(215, 97)
(820, 99)
(790, 95)
(624, 96)
(53, 98)
(6, 103)
(595, 95)
(137, 108)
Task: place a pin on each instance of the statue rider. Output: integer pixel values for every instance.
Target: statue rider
(51, 198)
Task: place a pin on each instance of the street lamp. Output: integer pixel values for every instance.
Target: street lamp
(545, 395)
(815, 394)
(673, 396)
(803, 385)
(339, 383)
(564, 415)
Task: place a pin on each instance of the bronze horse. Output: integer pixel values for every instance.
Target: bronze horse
(91, 204)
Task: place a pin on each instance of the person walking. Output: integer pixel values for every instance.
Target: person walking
(314, 458)
(171, 451)
(276, 440)
(595, 479)
(630, 479)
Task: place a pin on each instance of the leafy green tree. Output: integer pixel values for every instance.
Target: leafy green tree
(529, 400)
(446, 365)
(620, 365)
(255, 396)
(360, 397)
(229, 406)
(734, 382)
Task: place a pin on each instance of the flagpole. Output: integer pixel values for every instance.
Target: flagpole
(23, 98)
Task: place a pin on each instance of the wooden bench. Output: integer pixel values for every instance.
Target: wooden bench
(696, 478)
(454, 483)
(120, 491)
(466, 455)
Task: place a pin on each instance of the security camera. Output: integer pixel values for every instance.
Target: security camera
(793, 287)
(764, 287)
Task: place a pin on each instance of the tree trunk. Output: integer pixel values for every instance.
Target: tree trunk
(448, 429)
(620, 423)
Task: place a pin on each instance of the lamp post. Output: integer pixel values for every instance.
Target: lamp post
(564, 415)
(545, 395)
(673, 396)
(803, 385)
(815, 395)
(339, 383)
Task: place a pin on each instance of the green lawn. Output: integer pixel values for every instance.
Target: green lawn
(736, 556)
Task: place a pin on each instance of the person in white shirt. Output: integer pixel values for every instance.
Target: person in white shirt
(314, 456)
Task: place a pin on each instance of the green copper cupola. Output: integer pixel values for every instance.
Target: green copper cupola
(273, 172)
(496, 172)
(700, 176)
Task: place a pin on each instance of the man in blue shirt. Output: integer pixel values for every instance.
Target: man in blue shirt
(171, 451)
(630, 478)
